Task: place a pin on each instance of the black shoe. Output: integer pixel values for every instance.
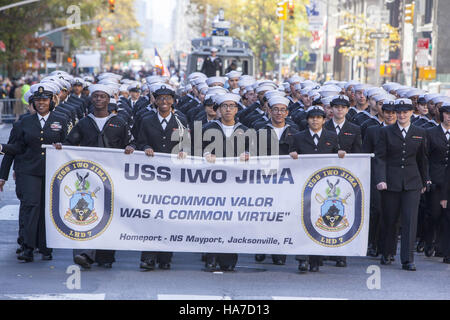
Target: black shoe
(227, 268)
(409, 266)
(385, 260)
(303, 266)
(278, 262)
(341, 263)
(164, 266)
(429, 251)
(392, 258)
(106, 265)
(47, 257)
(26, 255)
(420, 246)
(82, 260)
(446, 260)
(372, 252)
(438, 254)
(148, 265)
(20, 249)
(260, 257)
(210, 267)
(313, 268)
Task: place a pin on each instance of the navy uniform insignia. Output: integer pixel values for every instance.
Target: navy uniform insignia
(332, 207)
(86, 212)
(81, 208)
(41, 90)
(56, 126)
(332, 210)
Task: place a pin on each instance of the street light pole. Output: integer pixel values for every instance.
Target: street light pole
(281, 51)
(325, 69)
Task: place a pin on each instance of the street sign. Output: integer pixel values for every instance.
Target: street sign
(422, 58)
(427, 73)
(379, 35)
(423, 43)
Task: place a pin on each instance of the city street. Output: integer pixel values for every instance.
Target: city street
(186, 280)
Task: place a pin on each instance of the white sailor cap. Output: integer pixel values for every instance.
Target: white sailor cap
(27, 96)
(383, 97)
(101, 87)
(440, 99)
(123, 88)
(154, 79)
(374, 91)
(295, 79)
(329, 90)
(202, 86)
(246, 82)
(214, 49)
(402, 91)
(309, 83)
(110, 75)
(326, 101)
(272, 93)
(359, 87)
(333, 82)
(233, 74)
(236, 90)
(414, 92)
(350, 83)
(212, 80)
(196, 75)
(278, 100)
(430, 96)
(227, 97)
(216, 90)
(391, 86)
(88, 78)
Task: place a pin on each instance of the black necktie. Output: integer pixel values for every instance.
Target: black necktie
(164, 123)
(338, 130)
(316, 136)
(447, 134)
(404, 133)
(43, 122)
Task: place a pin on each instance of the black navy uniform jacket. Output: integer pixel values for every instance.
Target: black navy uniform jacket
(152, 135)
(210, 67)
(115, 133)
(401, 162)
(284, 143)
(349, 137)
(303, 143)
(439, 154)
(30, 138)
(8, 159)
(238, 130)
(369, 123)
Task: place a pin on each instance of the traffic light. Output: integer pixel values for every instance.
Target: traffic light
(48, 53)
(409, 13)
(282, 10)
(111, 5)
(99, 32)
(291, 9)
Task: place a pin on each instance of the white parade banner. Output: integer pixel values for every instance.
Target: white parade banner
(104, 199)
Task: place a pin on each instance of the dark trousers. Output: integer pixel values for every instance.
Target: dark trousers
(19, 194)
(159, 257)
(423, 212)
(222, 259)
(433, 219)
(404, 206)
(445, 243)
(99, 256)
(375, 215)
(33, 190)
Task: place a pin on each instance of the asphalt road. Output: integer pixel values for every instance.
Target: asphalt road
(364, 278)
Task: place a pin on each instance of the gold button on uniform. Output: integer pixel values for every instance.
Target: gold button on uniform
(43, 153)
